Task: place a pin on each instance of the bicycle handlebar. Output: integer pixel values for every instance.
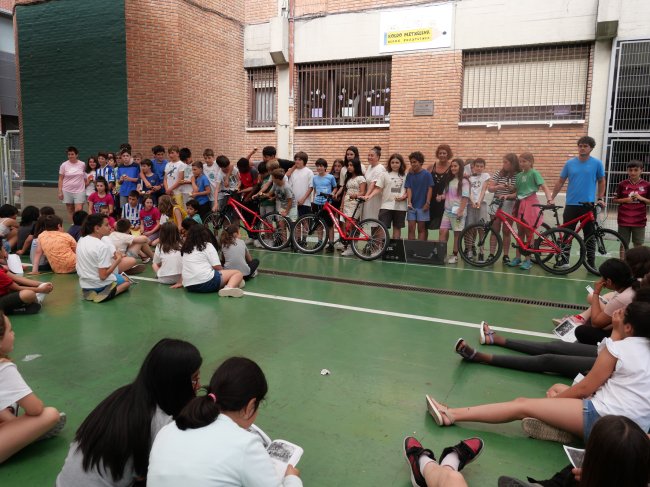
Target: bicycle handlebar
(548, 207)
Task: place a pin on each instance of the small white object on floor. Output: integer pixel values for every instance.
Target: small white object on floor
(30, 357)
(325, 372)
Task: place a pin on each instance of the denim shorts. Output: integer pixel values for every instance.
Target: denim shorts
(120, 280)
(210, 286)
(74, 198)
(589, 417)
(418, 215)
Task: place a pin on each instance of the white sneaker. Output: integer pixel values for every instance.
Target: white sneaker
(347, 252)
(40, 297)
(258, 244)
(254, 274)
(453, 259)
(248, 241)
(242, 284)
(338, 246)
(231, 292)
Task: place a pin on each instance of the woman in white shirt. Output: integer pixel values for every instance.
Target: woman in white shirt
(111, 447)
(202, 269)
(209, 443)
(618, 383)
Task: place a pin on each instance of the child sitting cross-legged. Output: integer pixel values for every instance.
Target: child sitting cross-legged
(167, 260)
(202, 270)
(38, 422)
(129, 244)
(235, 254)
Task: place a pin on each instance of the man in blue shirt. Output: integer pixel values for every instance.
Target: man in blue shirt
(586, 177)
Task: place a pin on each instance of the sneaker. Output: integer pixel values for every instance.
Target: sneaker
(89, 295)
(107, 293)
(541, 431)
(481, 257)
(254, 274)
(453, 259)
(242, 284)
(413, 450)
(512, 482)
(56, 429)
(136, 269)
(146, 260)
(526, 265)
(467, 450)
(40, 297)
(258, 244)
(338, 245)
(562, 266)
(505, 260)
(329, 249)
(514, 262)
(231, 292)
(347, 252)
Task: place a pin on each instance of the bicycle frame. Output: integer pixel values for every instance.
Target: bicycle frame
(236, 206)
(506, 218)
(332, 211)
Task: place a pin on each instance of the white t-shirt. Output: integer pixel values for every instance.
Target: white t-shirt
(371, 207)
(231, 184)
(218, 455)
(198, 265)
(234, 257)
(93, 254)
(619, 300)
(476, 183)
(300, 182)
(392, 185)
(171, 263)
(12, 386)
(627, 391)
(121, 241)
(73, 474)
(173, 172)
(213, 174)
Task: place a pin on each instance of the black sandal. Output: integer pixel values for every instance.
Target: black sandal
(464, 350)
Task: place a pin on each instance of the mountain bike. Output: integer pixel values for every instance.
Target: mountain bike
(368, 238)
(273, 229)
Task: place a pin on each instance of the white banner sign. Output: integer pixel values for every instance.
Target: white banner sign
(412, 29)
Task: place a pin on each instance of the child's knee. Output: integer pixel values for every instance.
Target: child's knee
(27, 296)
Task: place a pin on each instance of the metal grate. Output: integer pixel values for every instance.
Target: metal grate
(261, 97)
(631, 102)
(545, 83)
(344, 93)
(428, 290)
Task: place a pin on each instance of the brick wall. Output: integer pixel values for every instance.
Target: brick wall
(186, 79)
(72, 81)
(260, 10)
(7, 4)
(311, 7)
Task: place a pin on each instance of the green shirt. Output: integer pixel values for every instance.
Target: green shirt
(528, 183)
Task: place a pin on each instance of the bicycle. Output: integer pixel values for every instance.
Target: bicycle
(368, 238)
(601, 244)
(554, 243)
(273, 230)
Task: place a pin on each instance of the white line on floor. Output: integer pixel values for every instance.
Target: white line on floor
(431, 319)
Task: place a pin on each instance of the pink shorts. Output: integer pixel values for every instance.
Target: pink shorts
(525, 211)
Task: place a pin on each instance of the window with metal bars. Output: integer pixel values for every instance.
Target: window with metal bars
(262, 97)
(631, 101)
(344, 93)
(526, 84)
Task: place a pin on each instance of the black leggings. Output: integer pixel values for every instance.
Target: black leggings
(574, 211)
(566, 359)
(590, 335)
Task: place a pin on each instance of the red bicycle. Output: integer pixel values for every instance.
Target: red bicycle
(368, 238)
(273, 230)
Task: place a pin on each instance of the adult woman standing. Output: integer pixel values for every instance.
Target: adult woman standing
(72, 182)
(441, 172)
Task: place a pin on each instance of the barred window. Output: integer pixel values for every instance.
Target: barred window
(344, 93)
(546, 83)
(261, 97)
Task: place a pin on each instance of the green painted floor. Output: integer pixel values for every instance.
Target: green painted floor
(350, 423)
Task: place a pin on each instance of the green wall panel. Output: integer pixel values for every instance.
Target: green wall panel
(72, 57)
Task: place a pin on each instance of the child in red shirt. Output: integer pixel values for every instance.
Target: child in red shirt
(632, 196)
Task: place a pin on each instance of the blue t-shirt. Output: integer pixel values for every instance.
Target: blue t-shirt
(158, 168)
(322, 184)
(583, 179)
(154, 180)
(203, 183)
(419, 183)
(132, 171)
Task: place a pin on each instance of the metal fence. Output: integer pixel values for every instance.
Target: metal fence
(11, 169)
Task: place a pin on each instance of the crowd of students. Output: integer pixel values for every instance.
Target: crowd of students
(151, 211)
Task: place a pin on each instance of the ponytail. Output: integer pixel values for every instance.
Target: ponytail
(199, 412)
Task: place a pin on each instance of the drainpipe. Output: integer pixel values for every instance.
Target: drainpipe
(292, 4)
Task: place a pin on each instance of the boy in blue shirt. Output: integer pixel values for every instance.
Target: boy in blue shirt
(201, 189)
(326, 184)
(419, 188)
(159, 162)
(128, 174)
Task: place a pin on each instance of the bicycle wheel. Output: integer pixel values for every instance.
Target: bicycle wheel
(274, 231)
(215, 221)
(542, 228)
(601, 245)
(479, 245)
(557, 242)
(309, 234)
(373, 239)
